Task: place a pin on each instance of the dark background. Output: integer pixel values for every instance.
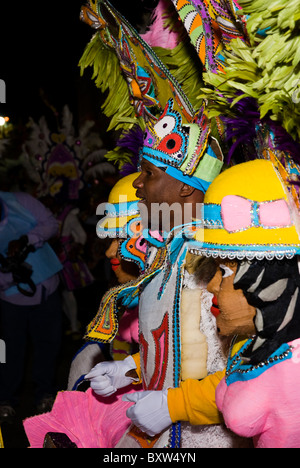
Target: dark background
(41, 45)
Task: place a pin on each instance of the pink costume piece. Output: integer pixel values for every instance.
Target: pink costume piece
(90, 421)
(238, 213)
(267, 407)
(129, 326)
(158, 35)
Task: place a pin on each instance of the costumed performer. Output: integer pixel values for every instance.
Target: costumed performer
(127, 256)
(251, 228)
(147, 93)
(177, 333)
(82, 416)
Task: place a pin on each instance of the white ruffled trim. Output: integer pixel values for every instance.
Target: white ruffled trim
(245, 254)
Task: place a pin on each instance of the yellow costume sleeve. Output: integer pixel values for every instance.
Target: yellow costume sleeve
(137, 359)
(194, 401)
(1, 440)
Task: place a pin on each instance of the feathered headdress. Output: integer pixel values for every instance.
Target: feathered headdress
(153, 76)
(137, 76)
(250, 52)
(63, 161)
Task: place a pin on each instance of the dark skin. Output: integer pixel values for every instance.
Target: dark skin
(155, 186)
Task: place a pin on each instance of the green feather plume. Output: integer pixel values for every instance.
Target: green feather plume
(119, 156)
(111, 82)
(185, 67)
(267, 70)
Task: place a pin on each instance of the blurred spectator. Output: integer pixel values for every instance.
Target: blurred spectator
(69, 247)
(30, 301)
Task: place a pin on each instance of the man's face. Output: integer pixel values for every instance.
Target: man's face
(154, 187)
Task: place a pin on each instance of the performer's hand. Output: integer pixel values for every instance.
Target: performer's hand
(150, 412)
(107, 377)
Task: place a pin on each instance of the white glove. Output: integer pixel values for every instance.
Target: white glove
(107, 377)
(150, 412)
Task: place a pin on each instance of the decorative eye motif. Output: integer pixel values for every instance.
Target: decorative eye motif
(148, 139)
(135, 248)
(171, 144)
(167, 139)
(165, 126)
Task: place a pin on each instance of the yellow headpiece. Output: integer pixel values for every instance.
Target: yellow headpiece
(121, 207)
(249, 213)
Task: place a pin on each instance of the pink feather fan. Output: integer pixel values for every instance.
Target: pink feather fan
(90, 421)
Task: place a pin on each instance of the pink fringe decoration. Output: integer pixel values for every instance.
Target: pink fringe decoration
(158, 35)
(90, 421)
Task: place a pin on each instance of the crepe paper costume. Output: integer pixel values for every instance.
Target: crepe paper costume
(268, 275)
(84, 417)
(159, 288)
(166, 281)
(159, 291)
(121, 221)
(163, 348)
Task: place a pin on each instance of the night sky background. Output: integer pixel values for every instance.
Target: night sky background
(41, 45)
